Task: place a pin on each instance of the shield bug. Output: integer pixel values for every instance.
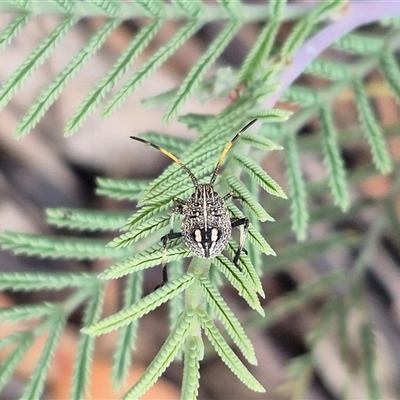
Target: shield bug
(206, 223)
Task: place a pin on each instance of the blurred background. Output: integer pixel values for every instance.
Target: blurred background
(44, 170)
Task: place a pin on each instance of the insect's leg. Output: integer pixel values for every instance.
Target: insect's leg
(231, 195)
(239, 222)
(178, 209)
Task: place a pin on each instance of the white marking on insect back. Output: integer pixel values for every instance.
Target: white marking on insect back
(197, 236)
(214, 235)
(205, 208)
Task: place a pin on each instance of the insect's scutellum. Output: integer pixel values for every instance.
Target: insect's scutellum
(206, 223)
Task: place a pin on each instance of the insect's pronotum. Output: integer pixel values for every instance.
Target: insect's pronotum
(206, 223)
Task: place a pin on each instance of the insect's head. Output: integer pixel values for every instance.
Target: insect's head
(186, 169)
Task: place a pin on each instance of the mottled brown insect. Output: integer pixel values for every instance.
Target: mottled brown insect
(206, 223)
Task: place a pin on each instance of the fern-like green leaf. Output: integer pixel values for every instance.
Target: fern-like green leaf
(141, 307)
(110, 9)
(56, 87)
(152, 8)
(37, 381)
(93, 99)
(122, 357)
(190, 9)
(253, 235)
(59, 247)
(390, 67)
(260, 51)
(233, 7)
(87, 220)
(246, 267)
(360, 43)
(297, 190)
(176, 304)
(194, 350)
(37, 57)
(164, 357)
(239, 282)
(161, 55)
(227, 355)
(141, 230)
(372, 130)
(146, 259)
(369, 365)
(174, 144)
(120, 189)
(329, 69)
(13, 28)
(260, 142)
(333, 159)
(24, 281)
(276, 9)
(257, 173)
(10, 363)
(228, 319)
(301, 95)
(18, 313)
(272, 115)
(84, 355)
(196, 74)
(247, 199)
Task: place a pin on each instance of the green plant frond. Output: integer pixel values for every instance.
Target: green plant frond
(120, 189)
(11, 339)
(13, 28)
(190, 9)
(141, 307)
(297, 191)
(333, 160)
(276, 9)
(301, 95)
(164, 357)
(141, 230)
(233, 7)
(148, 67)
(152, 8)
(18, 313)
(227, 355)
(122, 357)
(56, 87)
(24, 281)
(390, 68)
(86, 220)
(191, 368)
(369, 366)
(257, 173)
(160, 99)
(247, 198)
(172, 143)
(37, 57)
(99, 92)
(176, 304)
(59, 247)
(9, 364)
(239, 282)
(325, 8)
(260, 51)
(360, 43)
(66, 5)
(246, 267)
(228, 319)
(260, 142)
(329, 69)
(150, 257)
(84, 355)
(253, 235)
(372, 130)
(37, 381)
(111, 9)
(196, 74)
(272, 115)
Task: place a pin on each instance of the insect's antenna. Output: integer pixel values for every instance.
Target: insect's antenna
(226, 149)
(171, 156)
